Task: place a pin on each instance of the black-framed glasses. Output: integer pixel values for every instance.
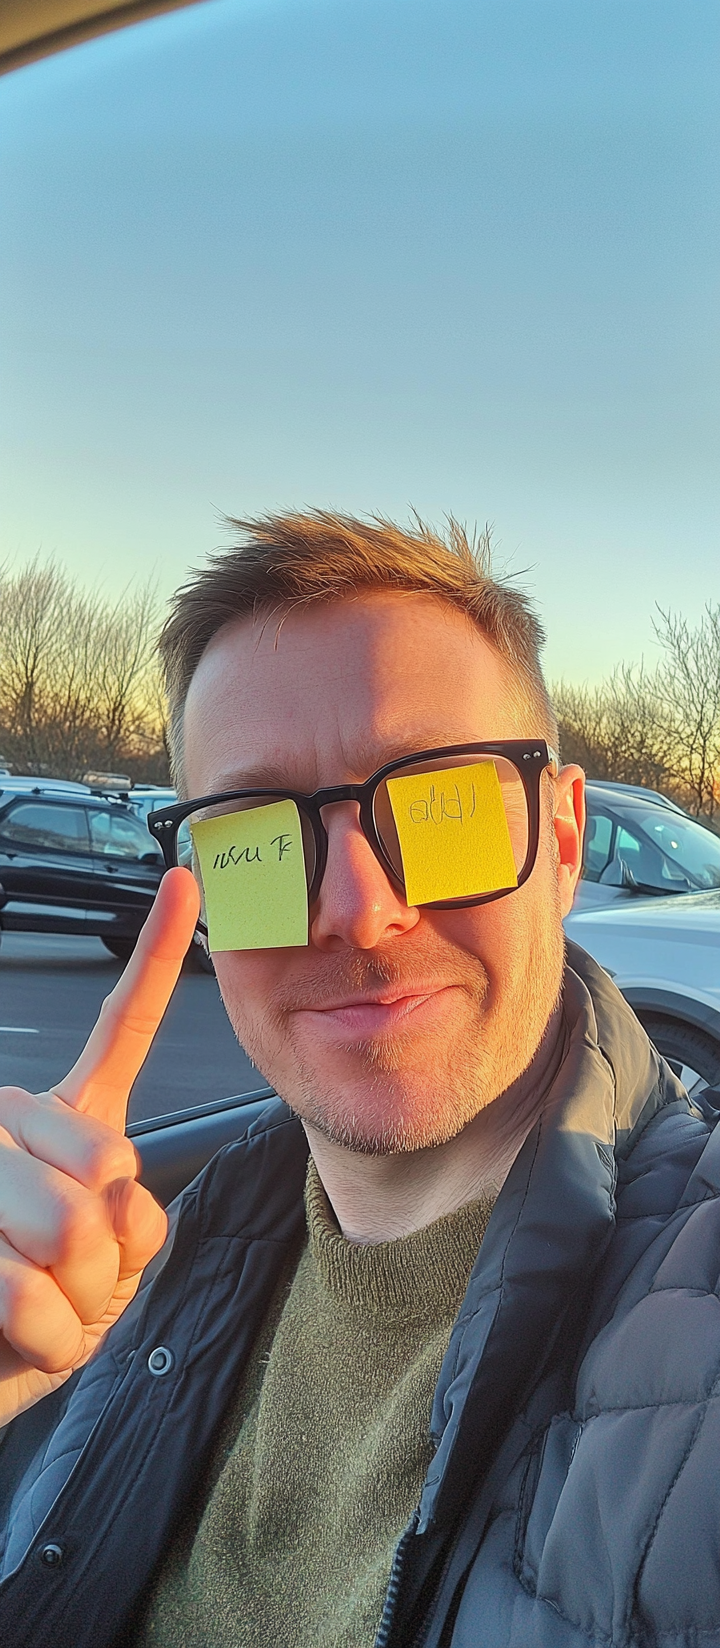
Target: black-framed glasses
(496, 785)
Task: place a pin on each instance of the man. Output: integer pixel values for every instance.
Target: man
(465, 1393)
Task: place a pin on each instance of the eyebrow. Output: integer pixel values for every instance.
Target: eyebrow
(369, 759)
(268, 777)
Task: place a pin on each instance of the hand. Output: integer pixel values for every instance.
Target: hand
(76, 1229)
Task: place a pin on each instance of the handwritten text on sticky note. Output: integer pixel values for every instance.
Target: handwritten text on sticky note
(253, 875)
(453, 833)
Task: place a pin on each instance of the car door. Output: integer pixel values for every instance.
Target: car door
(45, 866)
(127, 871)
(173, 1148)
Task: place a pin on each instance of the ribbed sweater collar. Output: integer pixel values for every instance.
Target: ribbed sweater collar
(421, 1275)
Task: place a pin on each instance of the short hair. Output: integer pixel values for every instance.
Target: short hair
(279, 563)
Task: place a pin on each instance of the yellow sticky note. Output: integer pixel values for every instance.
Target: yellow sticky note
(453, 833)
(253, 874)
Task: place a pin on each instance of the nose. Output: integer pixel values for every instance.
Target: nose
(358, 906)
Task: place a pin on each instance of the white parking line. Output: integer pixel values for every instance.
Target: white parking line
(16, 1030)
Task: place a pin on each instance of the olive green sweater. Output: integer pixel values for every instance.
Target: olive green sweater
(323, 1457)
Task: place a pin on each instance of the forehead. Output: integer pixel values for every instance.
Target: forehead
(327, 693)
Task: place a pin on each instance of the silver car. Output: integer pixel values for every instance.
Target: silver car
(648, 909)
(639, 844)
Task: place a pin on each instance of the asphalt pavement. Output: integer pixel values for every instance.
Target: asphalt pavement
(51, 990)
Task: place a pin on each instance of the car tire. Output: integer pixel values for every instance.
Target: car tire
(687, 1049)
(120, 947)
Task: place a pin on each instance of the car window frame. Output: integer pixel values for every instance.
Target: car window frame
(626, 820)
(56, 806)
(599, 812)
(130, 817)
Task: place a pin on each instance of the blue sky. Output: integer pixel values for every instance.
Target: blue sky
(460, 255)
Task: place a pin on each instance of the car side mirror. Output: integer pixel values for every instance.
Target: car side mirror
(149, 858)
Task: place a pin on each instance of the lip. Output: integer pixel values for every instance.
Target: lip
(372, 1015)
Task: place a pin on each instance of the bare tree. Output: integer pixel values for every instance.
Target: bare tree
(80, 688)
(615, 730)
(688, 688)
(29, 637)
(661, 728)
(78, 676)
(123, 659)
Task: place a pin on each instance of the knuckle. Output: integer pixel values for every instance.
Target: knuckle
(14, 1097)
(110, 1156)
(14, 1106)
(134, 1212)
(80, 1227)
(111, 1010)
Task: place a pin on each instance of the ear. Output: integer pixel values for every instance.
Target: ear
(569, 823)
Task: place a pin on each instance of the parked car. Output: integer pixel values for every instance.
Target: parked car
(140, 797)
(664, 955)
(20, 784)
(78, 860)
(638, 843)
(72, 862)
(144, 798)
(638, 790)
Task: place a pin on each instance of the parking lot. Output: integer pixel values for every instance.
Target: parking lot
(51, 989)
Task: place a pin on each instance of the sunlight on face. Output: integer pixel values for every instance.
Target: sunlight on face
(395, 1025)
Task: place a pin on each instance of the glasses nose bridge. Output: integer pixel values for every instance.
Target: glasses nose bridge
(362, 794)
(330, 797)
(339, 792)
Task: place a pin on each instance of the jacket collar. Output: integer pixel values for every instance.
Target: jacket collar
(549, 1229)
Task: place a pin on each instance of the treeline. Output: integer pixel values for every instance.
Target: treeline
(79, 681)
(80, 690)
(658, 727)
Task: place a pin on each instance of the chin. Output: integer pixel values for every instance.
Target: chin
(384, 1114)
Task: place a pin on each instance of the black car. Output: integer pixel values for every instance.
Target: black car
(75, 863)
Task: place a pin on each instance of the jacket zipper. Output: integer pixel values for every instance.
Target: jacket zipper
(382, 1639)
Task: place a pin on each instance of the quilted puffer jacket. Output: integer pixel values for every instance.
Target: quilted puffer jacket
(574, 1495)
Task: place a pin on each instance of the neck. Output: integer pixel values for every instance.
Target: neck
(378, 1198)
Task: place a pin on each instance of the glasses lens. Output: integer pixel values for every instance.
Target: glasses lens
(254, 861)
(454, 827)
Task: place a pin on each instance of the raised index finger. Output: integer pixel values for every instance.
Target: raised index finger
(99, 1084)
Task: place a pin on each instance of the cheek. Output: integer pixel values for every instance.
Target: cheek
(503, 934)
(247, 979)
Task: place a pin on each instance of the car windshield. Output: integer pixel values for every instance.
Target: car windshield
(689, 854)
(649, 849)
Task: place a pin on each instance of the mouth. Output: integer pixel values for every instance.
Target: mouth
(374, 1015)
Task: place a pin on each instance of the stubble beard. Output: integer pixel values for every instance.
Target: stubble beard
(403, 1093)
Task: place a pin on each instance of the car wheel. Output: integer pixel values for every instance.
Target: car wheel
(691, 1053)
(120, 947)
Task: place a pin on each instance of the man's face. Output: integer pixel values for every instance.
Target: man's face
(396, 1025)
